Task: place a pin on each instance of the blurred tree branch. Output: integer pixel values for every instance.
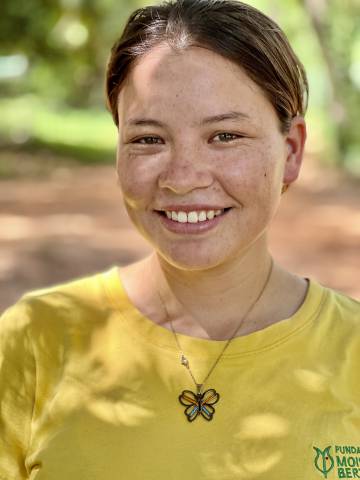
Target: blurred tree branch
(328, 17)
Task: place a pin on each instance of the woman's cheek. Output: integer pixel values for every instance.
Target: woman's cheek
(137, 178)
(243, 172)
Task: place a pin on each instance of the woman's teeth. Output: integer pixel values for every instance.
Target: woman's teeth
(193, 217)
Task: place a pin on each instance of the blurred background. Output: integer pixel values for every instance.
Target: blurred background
(61, 213)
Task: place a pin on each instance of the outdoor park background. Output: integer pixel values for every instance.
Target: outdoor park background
(61, 213)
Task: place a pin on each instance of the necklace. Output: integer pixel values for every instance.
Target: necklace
(202, 403)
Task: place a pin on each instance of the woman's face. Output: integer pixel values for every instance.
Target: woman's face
(196, 133)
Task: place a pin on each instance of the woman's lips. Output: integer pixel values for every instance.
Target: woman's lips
(191, 228)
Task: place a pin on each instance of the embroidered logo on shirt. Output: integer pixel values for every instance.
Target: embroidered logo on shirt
(324, 462)
(343, 463)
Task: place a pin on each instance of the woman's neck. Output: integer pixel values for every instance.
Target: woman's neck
(213, 303)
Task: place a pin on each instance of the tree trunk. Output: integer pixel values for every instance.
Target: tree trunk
(317, 11)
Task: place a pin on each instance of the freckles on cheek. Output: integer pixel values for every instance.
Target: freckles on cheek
(136, 181)
(245, 179)
(243, 169)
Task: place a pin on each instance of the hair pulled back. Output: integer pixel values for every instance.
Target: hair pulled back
(235, 30)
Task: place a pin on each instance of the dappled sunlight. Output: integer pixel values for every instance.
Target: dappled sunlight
(16, 227)
(116, 406)
(95, 379)
(92, 376)
(119, 413)
(263, 464)
(102, 387)
(95, 376)
(255, 447)
(8, 260)
(312, 381)
(263, 425)
(252, 468)
(103, 371)
(67, 226)
(247, 469)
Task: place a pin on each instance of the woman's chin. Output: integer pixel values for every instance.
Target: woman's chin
(185, 259)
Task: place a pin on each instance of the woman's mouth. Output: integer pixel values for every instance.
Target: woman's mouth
(191, 222)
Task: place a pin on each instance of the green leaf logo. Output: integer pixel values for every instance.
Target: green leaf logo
(323, 461)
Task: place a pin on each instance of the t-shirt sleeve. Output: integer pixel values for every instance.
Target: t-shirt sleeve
(17, 391)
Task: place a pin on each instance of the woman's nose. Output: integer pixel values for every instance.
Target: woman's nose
(185, 172)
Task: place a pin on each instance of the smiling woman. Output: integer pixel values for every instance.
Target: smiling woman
(205, 359)
(211, 141)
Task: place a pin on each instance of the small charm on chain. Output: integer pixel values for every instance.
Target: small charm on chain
(184, 361)
(199, 403)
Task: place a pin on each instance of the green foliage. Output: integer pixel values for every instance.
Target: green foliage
(343, 37)
(67, 42)
(88, 135)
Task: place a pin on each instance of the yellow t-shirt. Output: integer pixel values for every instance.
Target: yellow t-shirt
(89, 390)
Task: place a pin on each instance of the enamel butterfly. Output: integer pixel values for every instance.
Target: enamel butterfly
(199, 404)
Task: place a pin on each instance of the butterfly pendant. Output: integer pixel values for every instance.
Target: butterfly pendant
(199, 403)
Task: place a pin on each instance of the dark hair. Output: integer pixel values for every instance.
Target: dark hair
(233, 29)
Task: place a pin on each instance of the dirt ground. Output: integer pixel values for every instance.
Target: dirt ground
(72, 223)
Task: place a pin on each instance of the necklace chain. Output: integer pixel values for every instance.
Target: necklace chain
(185, 361)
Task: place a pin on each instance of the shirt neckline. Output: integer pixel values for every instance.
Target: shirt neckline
(269, 337)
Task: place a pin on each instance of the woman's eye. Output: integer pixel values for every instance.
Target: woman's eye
(227, 137)
(223, 137)
(148, 140)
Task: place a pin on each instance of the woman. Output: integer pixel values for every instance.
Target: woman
(205, 359)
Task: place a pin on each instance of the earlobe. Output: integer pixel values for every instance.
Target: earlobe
(295, 144)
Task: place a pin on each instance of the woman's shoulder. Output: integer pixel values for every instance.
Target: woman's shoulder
(338, 305)
(343, 301)
(73, 302)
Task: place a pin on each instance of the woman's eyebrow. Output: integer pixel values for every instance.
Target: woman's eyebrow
(234, 115)
(144, 121)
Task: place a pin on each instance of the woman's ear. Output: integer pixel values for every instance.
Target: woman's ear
(295, 143)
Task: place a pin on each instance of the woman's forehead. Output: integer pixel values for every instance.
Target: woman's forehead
(162, 62)
(194, 78)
